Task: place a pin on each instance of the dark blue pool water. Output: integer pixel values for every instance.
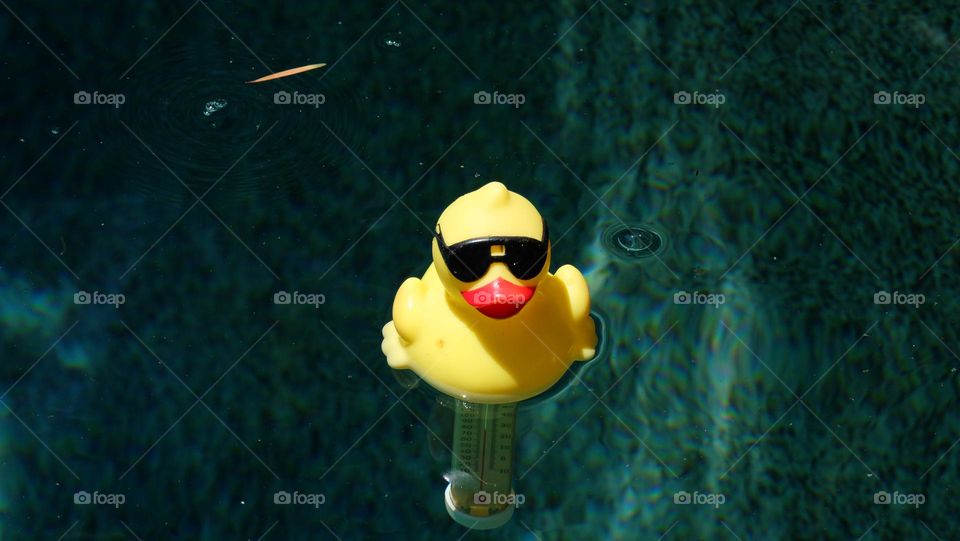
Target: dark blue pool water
(780, 364)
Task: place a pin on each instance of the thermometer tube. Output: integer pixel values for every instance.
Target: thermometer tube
(480, 494)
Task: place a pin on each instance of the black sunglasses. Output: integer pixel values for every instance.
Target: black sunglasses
(469, 260)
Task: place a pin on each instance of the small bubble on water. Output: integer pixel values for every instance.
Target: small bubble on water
(391, 40)
(55, 131)
(213, 106)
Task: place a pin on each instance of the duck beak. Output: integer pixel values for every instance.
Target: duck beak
(499, 299)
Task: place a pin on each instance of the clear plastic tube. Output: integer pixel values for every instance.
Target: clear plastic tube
(480, 494)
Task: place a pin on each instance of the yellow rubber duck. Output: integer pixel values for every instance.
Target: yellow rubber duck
(487, 322)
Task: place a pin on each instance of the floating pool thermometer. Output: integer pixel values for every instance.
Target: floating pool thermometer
(490, 326)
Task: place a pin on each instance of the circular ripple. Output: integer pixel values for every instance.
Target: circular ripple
(632, 242)
(259, 144)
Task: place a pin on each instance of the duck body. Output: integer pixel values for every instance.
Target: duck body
(490, 352)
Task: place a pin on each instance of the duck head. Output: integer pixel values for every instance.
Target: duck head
(491, 248)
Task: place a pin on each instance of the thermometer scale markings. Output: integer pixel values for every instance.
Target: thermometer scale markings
(483, 443)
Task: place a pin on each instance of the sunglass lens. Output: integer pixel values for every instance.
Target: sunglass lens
(467, 263)
(527, 263)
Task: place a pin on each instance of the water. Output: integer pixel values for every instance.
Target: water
(752, 357)
(213, 106)
(632, 241)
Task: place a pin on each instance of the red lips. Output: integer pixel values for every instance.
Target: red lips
(499, 299)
